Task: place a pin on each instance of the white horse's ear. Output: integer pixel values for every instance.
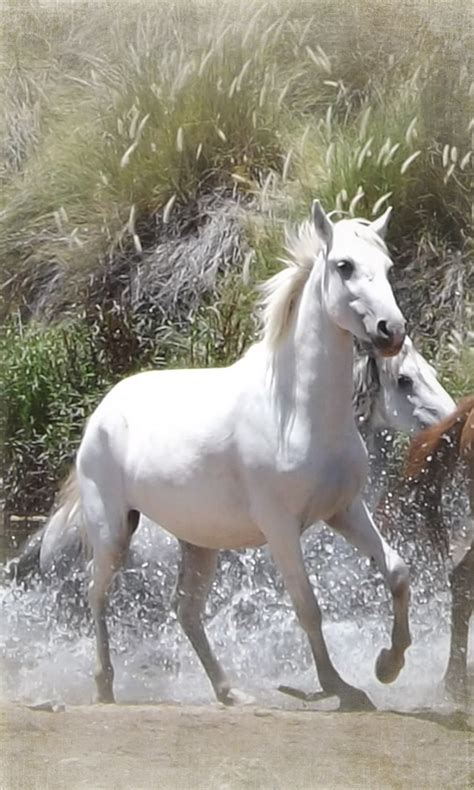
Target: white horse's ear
(380, 225)
(322, 223)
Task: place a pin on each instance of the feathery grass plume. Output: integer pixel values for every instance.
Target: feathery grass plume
(406, 164)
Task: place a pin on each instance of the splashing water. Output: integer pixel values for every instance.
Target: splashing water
(47, 645)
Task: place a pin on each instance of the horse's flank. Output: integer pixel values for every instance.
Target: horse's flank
(457, 428)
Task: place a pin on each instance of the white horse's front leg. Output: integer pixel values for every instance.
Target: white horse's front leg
(357, 526)
(283, 535)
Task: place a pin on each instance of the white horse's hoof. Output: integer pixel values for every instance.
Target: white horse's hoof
(104, 699)
(387, 666)
(234, 696)
(355, 700)
(104, 692)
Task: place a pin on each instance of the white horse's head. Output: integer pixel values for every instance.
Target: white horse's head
(402, 393)
(356, 289)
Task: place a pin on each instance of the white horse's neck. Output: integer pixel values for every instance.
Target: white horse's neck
(312, 367)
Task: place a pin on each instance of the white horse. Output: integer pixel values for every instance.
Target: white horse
(252, 453)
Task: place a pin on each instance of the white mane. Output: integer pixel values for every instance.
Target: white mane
(280, 293)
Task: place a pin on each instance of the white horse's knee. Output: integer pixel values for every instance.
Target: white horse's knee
(398, 575)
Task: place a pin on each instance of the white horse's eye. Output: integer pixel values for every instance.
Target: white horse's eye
(405, 382)
(345, 268)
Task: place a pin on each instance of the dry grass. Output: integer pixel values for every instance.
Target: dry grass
(116, 115)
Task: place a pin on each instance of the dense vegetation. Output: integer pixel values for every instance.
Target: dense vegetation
(150, 155)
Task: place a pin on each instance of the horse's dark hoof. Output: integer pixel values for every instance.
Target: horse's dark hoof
(387, 667)
(105, 699)
(306, 696)
(105, 694)
(355, 700)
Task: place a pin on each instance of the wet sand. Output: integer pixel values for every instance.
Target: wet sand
(182, 747)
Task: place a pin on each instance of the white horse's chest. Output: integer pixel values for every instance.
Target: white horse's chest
(335, 484)
(314, 481)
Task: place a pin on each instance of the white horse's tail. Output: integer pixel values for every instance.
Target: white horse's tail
(63, 538)
(60, 540)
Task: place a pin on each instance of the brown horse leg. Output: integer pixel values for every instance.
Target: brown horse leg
(462, 591)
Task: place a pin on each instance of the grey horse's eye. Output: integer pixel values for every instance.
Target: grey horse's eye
(345, 268)
(405, 382)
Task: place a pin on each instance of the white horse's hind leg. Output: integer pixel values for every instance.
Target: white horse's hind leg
(104, 566)
(357, 526)
(110, 537)
(197, 569)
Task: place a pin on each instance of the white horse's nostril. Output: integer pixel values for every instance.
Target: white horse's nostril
(383, 330)
(389, 337)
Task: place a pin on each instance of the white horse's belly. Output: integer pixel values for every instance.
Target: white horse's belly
(201, 499)
(207, 515)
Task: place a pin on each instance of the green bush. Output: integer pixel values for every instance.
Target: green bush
(51, 378)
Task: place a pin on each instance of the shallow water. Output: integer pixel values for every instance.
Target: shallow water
(47, 650)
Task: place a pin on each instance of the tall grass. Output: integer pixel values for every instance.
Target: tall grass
(115, 112)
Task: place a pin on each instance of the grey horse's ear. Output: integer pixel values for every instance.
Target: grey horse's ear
(380, 225)
(322, 223)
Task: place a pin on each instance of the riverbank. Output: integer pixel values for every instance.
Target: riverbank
(206, 747)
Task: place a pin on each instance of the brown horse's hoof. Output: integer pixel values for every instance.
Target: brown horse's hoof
(306, 696)
(388, 667)
(350, 698)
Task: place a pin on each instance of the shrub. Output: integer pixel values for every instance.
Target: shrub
(51, 378)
